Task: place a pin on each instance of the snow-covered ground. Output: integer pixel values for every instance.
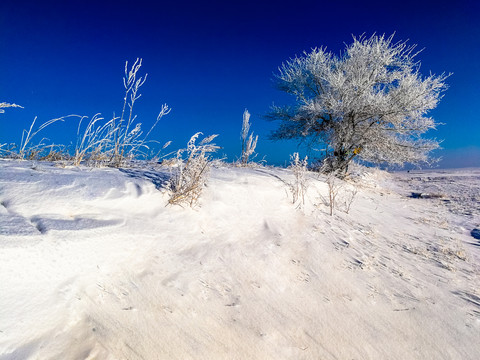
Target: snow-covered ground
(94, 265)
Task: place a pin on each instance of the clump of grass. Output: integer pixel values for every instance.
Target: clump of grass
(55, 153)
(300, 184)
(92, 144)
(118, 141)
(188, 182)
(115, 143)
(33, 152)
(249, 142)
(28, 150)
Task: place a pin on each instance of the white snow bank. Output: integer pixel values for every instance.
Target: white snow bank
(94, 265)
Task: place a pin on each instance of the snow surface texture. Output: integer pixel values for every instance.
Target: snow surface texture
(94, 265)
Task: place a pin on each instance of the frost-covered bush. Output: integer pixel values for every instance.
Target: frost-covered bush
(191, 176)
(370, 102)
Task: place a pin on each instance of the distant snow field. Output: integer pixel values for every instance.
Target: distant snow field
(95, 265)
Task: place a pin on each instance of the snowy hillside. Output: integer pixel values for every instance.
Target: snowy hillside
(95, 265)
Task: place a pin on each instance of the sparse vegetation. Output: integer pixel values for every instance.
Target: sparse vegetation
(113, 143)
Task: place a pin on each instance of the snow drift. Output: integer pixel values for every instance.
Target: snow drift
(95, 265)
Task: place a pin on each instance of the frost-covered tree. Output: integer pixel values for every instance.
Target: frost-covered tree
(370, 102)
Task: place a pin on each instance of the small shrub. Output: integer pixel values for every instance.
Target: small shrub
(340, 194)
(348, 197)
(334, 185)
(187, 184)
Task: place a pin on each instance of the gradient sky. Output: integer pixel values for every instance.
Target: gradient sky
(210, 60)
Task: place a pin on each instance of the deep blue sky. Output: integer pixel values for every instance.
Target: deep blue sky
(210, 60)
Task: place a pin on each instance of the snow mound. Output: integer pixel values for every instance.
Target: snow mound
(94, 264)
